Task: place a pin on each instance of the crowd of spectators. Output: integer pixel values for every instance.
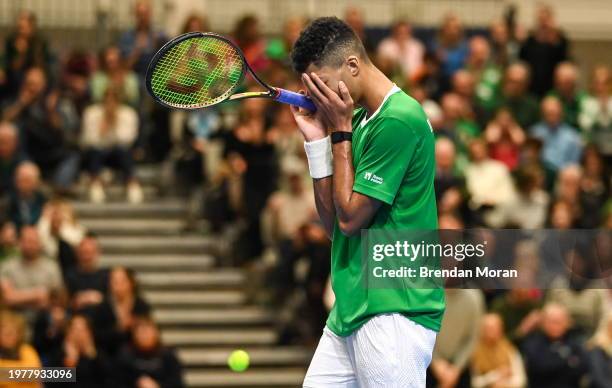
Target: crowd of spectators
(522, 142)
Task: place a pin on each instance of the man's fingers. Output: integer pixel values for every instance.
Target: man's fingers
(315, 93)
(344, 93)
(322, 87)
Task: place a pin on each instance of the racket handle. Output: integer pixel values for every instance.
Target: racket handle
(292, 98)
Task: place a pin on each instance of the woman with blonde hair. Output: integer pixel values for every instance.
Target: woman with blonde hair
(600, 355)
(58, 224)
(14, 352)
(496, 363)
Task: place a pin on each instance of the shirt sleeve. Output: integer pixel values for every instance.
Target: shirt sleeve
(385, 160)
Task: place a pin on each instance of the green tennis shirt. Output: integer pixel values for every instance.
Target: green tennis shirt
(393, 157)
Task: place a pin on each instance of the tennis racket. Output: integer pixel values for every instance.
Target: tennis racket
(197, 70)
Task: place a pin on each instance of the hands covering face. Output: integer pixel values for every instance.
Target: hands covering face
(337, 109)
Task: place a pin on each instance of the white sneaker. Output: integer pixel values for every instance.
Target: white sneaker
(135, 194)
(96, 193)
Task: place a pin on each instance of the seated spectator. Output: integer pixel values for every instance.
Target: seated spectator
(79, 351)
(114, 318)
(561, 215)
(515, 96)
(59, 231)
(496, 362)
(463, 84)
(504, 45)
(146, 362)
(27, 201)
(457, 339)
(249, 38)
(566, 90)
(431, 78)
(26, 282)
(519, 307)
(25, 48)
(561, 142)
(567, 188)
(505, 138)
(450, 45)
(87, 283)
(553, 358)
(596, 114)
(49, 326)
(431, 107)
(488, 182)
(448, 182)
(487, 75)
(74, 88)
(594, 187)
(279, 49)
(10, 157)
(529, 208)
(545, 47)
(458, 126)
(14, 351)
(402, 50)
(109, 130)
(600, 355)
(113, 74)
(353, 16)
(44, 131)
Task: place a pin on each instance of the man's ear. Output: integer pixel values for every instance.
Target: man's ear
(353, 65)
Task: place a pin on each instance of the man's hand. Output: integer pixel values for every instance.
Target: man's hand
(338, 109)
(311, 124)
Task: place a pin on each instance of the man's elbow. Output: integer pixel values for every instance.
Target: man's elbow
(349, 228)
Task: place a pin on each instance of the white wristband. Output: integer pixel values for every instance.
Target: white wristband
(319, 154)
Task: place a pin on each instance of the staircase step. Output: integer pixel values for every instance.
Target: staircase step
(276, 356)
(181, 280)
(115, 193)
(164, 208)
(212, 316)
(195, 298)
(159, 244)
(223, 377)
(219, 337)
(152, 262)
(134, 227)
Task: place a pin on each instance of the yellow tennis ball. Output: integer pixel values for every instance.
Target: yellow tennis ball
(238, 360)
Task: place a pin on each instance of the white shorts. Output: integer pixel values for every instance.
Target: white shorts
(389, 351)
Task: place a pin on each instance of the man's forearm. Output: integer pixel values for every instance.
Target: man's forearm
(344, 177)
(324, 203)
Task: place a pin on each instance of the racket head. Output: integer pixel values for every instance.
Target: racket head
(195, 70)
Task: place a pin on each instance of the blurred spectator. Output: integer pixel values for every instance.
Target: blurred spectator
(488, 182)
(146, 363)
(594, 187)
(450, 45)
(8, 242)
(14, 351)
(515, 95)
(600, 354)
(114, 318)
(567, 188)
(458, 126)
(49, 326)
(26, 282)
(278, 49)
(529, 208)
(463, 84)
(402, 50)
(353, 16)
(79, 351)
(553, 358)
(59, 230)
(457, 339)
(505, 138)
(44, 134)
(519, 307)
(448, 183)
(545, 47)
(431, 78)
(24, 48)
(74, 88)
(113, 74)
(496, 362)
(504, 47)
(109, 130)
(566, 90)
(287, 140)
(10, 158)
(195, 22)
(87, 283)
(561, 142)
(140, 44)
(27, 200)
(561, 215)
(432, 108)
(487, 74)
(596, 115)
(248, 37)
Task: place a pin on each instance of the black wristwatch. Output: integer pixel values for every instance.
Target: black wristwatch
(339, 137)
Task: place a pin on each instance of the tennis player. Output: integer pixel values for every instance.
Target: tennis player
(372, 167)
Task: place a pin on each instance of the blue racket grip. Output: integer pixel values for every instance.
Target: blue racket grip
(296, 99)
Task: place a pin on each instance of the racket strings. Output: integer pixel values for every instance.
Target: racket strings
(197, 72)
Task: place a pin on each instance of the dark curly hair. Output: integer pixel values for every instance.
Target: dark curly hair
(326, 41)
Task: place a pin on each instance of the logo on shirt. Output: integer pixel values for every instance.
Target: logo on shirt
(368, 176)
